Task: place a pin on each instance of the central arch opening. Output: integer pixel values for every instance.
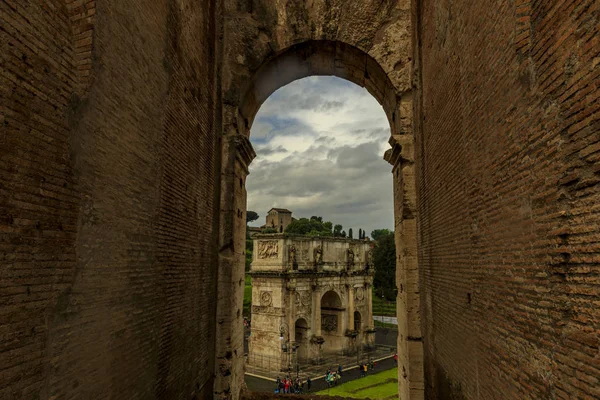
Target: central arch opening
(299, 153)
(302, 339)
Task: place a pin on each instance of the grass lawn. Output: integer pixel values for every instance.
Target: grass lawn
(382, 385)
(383, 307)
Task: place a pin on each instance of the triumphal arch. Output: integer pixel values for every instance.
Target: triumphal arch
(310, 296)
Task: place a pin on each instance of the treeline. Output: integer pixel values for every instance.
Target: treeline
(384, 261)
(315, 226)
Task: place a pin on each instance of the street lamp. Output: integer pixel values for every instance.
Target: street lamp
(287, 346)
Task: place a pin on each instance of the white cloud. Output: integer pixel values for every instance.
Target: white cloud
(319, 144)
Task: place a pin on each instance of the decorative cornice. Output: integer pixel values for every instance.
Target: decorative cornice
(299, 274)
(401, 151)
(243, 150)
(309, 238)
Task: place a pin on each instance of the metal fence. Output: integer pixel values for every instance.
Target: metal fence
(263, 364)
(258, 363)
(385, 321)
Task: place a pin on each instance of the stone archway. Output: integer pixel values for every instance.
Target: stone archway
(301, 338)
(332, 314)
(301, 59)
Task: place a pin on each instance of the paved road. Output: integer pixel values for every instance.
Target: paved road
(257, 384)
(386, 337)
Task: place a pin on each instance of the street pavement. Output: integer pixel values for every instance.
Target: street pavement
(261, 384)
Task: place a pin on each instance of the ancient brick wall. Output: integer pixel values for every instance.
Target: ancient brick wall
(508, 149)
(39, 200)
(107, 132)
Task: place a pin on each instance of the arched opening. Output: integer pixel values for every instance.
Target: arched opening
(318, 58)
(302, 340)
(331, 321)
(315, 58)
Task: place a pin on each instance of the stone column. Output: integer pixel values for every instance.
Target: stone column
(410, 340)
(316, 322)
(369, 298)
(350, 307)
(292, 312)
(237, 153)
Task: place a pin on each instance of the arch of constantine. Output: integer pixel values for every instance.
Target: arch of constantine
(309, 295)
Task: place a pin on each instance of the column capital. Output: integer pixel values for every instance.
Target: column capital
(402, 150)
(244, 152)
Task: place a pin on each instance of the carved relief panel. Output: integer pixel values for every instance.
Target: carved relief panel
(268, 249)
(266, 299)
(303, 302)
(329, 323)
(359, 295)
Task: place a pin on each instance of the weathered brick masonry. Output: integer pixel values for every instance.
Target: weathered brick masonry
(508, 151)
(107, 199)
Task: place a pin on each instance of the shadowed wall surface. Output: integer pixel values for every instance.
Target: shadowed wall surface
(107, 199)
(508, 192)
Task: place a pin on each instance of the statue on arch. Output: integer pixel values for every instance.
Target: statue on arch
(318, 255)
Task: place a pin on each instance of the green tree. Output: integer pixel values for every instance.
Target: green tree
(343, 234)
(377, 233)
(249, 251)
(251, 216)
(360, 233)
(350, 233)
(384, 260)
(337, 230)
(269, 230)
(312, 227)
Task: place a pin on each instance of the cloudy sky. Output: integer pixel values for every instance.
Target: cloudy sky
(319, 143)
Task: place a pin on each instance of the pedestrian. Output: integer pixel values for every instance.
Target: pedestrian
(396, 359)
(340, 369)
(308, 383)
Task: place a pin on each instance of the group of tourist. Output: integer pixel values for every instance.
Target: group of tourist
(333, 377)
(364, 368)
(291, 385)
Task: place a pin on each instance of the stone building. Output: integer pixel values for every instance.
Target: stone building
(278, 218)
(310, 295)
